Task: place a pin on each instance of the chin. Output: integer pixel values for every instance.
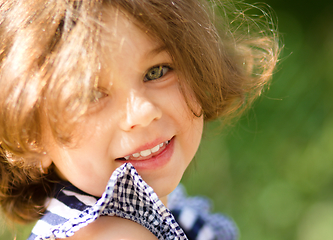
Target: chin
(164, 186)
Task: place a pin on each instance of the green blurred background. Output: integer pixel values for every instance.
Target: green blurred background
(273, 170)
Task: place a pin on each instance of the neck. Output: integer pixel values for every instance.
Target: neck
(164, 200)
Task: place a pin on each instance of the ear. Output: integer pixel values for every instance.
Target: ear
(46, 161)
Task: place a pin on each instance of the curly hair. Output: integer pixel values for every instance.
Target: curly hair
(49, 61)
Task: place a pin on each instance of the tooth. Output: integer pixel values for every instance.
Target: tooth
(127, 157)
(136, 155)
(145, 153)
(161, 145)
(155, 149)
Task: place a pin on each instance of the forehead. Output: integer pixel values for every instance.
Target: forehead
(122, 35)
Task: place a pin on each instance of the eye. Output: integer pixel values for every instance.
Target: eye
(156, 72)
(96, 95)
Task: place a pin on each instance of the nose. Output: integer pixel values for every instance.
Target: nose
(139, 111)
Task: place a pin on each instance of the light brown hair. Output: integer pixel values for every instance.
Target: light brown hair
(49, 62)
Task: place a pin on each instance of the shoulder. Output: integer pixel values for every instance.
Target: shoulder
(113, 228)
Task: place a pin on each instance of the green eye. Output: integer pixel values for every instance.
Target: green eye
(156, 73)
(96, 95)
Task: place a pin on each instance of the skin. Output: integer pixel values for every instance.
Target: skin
(129, 114)
(113, 228)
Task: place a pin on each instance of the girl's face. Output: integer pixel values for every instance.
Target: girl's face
(138, 115)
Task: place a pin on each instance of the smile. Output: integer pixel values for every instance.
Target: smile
(152, 158)
(148, 152)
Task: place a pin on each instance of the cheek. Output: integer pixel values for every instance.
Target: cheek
(191, 118)
(190, 132)
(192, 123)
(193, 137)
(191, 101)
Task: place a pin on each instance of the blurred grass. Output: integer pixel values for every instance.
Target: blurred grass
(273, 171)
(9, 231)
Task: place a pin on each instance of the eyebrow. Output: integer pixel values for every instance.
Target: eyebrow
(156, 51)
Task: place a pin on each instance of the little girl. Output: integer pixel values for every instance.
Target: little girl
(102, 108)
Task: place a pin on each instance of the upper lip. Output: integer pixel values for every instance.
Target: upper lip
(147, 146)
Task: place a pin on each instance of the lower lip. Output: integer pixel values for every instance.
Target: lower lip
(155, 162)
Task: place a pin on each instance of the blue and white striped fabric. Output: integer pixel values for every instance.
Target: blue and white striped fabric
(126, 196)
(194, 217)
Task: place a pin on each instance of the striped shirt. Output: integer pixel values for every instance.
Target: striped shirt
(128, 196)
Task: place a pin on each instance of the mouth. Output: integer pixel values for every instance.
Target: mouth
(147, 153)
